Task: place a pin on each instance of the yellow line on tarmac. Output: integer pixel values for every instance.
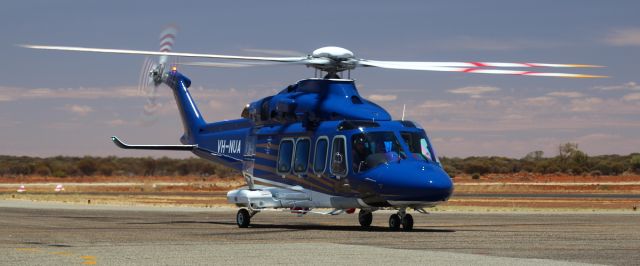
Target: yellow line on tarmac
(33, 250)
(89, 260)
(61, 253)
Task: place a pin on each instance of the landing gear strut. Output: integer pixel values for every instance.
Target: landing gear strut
(243, 217)
(402, 218)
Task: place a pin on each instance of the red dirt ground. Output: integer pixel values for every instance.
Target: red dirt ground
(489, 184)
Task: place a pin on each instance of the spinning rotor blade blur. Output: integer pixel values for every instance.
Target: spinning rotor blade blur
(142, 52)
(229, 64)
(476, 68)
(333, 60)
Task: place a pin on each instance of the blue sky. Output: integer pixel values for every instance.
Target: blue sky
(71, 103)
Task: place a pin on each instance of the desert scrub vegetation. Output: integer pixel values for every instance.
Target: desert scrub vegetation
(568, 160)
(65, 166)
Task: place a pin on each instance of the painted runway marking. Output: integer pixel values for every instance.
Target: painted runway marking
(86, 260)
(89, 260)
(61, 253)
(30, 250)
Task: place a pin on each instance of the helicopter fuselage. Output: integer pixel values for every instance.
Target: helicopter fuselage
(319, 144)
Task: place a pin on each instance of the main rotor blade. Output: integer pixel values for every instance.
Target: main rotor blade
(475, 64)
(384, 64)
(141, 52)
(306, 61)
(230, 64)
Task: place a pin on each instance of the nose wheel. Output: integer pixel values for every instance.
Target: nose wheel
(401, 219)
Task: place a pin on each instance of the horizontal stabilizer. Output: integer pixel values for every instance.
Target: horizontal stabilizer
(123, 145)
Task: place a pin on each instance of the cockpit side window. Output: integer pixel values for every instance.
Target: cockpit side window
(374, 148)
(418, 145)
(338, 156)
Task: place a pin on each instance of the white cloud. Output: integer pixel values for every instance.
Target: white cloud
(436, 104)
(493, 103)
(116, 122)
(585, 105)
(82, 110)
(596, 137)
(568, 94)
(514, 117)
(632, 97)
(484, 44)
(481, 144)
(626, 86)
(16, 93)
(382, 97)
(624, 37)
(541, 100)
(227, 103)
(474, 90)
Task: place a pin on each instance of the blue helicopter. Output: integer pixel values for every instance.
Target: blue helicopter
(317, 143)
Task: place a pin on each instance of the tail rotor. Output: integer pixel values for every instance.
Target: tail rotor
(151, 75)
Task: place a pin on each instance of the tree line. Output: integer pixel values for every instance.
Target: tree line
(65, 166)
(569, 160)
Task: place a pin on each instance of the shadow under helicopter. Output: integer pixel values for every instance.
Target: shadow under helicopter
(304, 227)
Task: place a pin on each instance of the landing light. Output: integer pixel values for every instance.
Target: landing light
(174, 68)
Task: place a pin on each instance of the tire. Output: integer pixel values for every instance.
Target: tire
(365, 218)
(407, 222)
(394, 222)
(243, 218)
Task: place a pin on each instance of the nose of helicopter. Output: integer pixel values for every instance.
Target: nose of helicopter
(413, 181)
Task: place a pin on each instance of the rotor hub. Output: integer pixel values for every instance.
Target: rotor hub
(332, 59)
(333, 52)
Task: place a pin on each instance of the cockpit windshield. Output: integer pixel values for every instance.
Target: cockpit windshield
(418, 145)
(374, 148)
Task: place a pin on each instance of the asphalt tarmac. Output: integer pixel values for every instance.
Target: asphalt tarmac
(33, 233)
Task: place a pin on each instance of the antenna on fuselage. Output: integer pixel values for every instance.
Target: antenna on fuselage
(403, 108)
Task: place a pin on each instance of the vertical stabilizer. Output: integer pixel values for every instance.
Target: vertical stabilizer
(191, 118)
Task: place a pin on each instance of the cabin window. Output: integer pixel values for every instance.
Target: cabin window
(285, 154)
(418, 145)
(338, 156)
(301, 159)
(356, 100)
(320, 157)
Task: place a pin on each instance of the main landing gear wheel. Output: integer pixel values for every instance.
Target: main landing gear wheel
(243, 218)
(365, 218)
(394, 222)
(407, 222)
